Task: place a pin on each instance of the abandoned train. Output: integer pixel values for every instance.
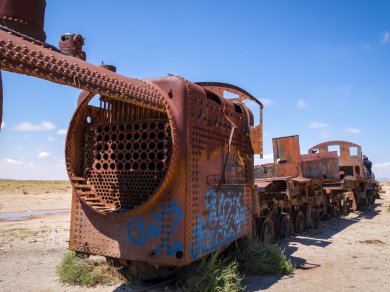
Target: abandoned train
(297, 191)
(163, 170)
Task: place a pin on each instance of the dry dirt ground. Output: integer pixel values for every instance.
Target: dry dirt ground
(348, 254)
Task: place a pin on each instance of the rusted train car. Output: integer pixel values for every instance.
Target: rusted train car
(162, 169)
(297, 191)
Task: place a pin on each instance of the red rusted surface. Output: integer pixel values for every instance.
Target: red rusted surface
(350, 165)
(72, 44)
(354, 179)
(320, 165)
(287, 156)
(161, 169)
(24, 16)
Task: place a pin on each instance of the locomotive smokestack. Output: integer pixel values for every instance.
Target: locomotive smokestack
(24, 16)
(71, 44)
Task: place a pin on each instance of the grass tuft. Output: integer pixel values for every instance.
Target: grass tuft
(212, 274)
(223, 272)
(256, 257)
(76, 271)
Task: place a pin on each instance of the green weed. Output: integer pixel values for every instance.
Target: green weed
(212, 274)
(76, 271)
(256, 257)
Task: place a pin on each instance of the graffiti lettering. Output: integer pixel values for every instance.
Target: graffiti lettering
(225, 222)
(163, 223)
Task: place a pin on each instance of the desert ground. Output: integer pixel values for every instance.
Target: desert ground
(346, 254)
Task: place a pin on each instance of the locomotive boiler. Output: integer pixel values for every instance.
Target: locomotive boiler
(161, 169)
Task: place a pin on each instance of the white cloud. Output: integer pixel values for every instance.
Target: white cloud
(43, 155)
(382, 165)
(50, 139)
(324, 127)
(353, 131)
(20, 169)
(3, 124)
(302, 104)
(266, 101)
(43, 126)
(267, 158)
(385, 37)
(316, 125)
(62, 132)
(10, 162)
(382, 170)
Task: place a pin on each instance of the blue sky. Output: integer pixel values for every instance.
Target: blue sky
(322, 69)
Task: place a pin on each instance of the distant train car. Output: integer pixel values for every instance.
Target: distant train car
(296, 191)
(356, 179)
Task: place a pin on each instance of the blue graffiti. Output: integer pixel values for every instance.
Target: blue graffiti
(163, 224)
(225, 222)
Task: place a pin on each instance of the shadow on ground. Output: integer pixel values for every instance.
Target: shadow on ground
(320, 237)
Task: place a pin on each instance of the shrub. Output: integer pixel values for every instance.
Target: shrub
(76, 271)
(212, 274)
(256, 257)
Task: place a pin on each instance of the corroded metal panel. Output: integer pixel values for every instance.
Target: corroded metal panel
(24, 16)
(287, 157)
(320, 165)
(349, 155)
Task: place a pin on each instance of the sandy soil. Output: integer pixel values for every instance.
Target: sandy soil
(18, 196)
(349, 254)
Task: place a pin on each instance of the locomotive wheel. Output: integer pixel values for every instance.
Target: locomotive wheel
(309, 217)
(349, 205)
(316, 219)
(299, 222)
(335, 211)
(354, 204)
(373, 197)
(370, 198)
(284, 226)
(344, 207)
(324, 213)
(267, 234)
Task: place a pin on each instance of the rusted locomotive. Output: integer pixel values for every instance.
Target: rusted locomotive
(297, 191)
(162, 169)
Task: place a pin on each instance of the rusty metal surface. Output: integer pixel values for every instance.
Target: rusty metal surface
(24, 16)
(256, 132)
(72, 44)
(320, 165)
(287, 156)
(350, 165)
(121, 176)
(161, 169)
